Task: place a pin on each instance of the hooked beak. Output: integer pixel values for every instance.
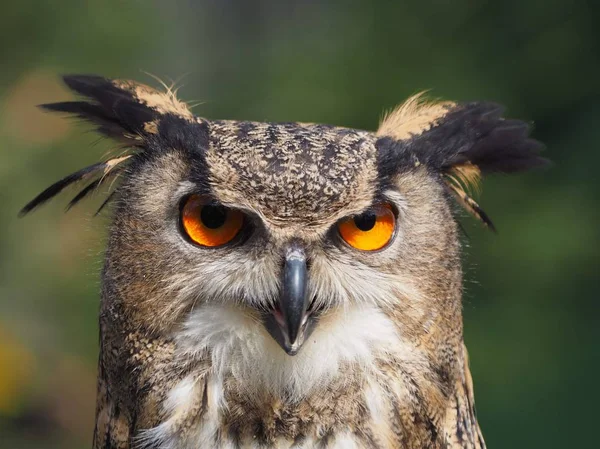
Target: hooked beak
(290, 323)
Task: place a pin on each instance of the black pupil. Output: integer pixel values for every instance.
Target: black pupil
(366, 221)
(213, 217)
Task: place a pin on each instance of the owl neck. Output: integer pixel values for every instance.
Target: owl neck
(364, 388)
(228, 384)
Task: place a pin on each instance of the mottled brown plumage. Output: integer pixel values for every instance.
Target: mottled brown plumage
(188, 358)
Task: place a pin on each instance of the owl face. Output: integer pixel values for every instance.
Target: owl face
(286, 223)
(291, 227)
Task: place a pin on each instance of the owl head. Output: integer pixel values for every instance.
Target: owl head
(288, 235)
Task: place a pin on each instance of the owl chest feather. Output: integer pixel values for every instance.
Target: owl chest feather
(344, 416)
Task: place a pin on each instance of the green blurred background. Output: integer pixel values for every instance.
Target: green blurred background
(531, 312)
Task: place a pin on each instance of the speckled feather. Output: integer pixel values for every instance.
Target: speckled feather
(295, 171)
(185, 361)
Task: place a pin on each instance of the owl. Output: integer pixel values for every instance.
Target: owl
(285, 285)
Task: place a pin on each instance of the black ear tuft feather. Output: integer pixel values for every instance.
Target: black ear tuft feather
(92, 186)
(108, 199)
(106, 170)
(476, 133)
(116, 111)
(84, 192)
(59, 186)
(108, 125)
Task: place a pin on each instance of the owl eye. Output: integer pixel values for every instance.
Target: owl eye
(209, 224)
(371, 230)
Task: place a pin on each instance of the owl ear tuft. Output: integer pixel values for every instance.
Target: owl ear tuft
(123, 110)
(479, 142)
(126, 111)
(461, 142)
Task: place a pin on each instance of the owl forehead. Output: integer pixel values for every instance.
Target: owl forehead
(292, 171)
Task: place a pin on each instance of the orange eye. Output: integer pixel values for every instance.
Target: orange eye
(208, 224)
(371, 230)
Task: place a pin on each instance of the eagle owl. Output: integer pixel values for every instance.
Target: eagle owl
(285, 285)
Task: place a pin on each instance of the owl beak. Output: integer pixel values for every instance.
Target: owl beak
(290, 323)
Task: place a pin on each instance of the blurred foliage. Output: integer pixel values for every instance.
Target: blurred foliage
(531, 311)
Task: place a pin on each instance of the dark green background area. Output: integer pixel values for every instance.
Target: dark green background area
(531, 312)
